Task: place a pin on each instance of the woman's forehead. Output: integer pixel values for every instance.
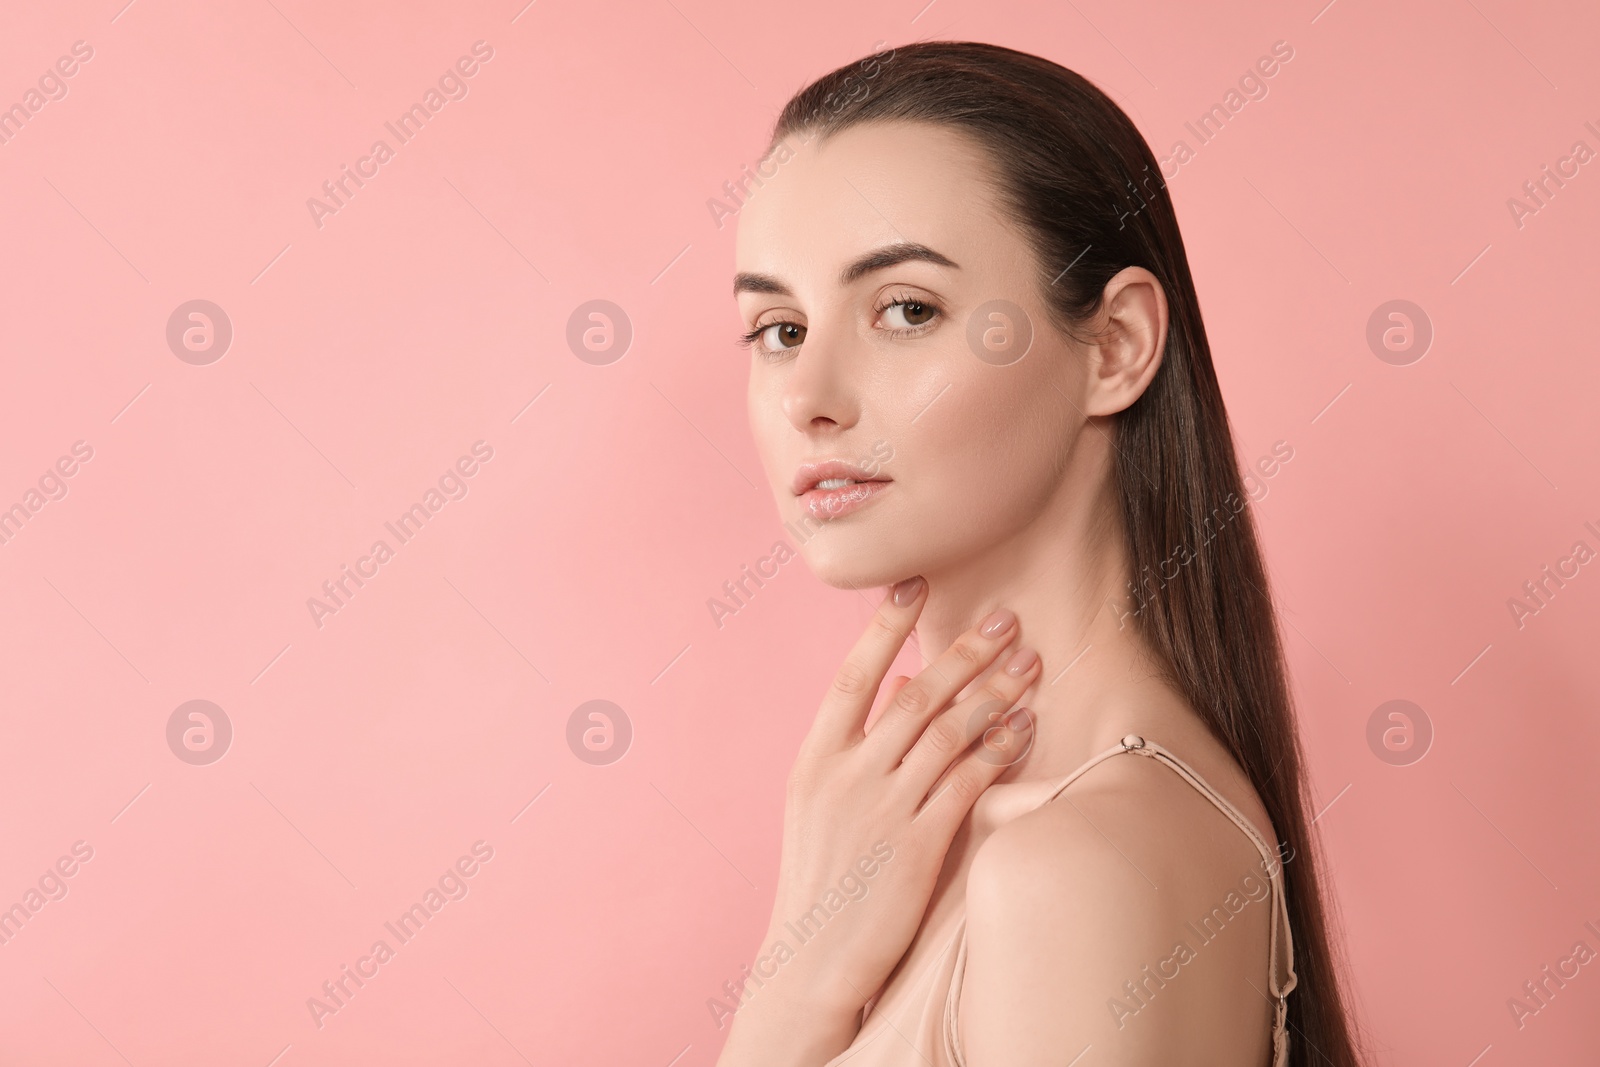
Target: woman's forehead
(865, 188)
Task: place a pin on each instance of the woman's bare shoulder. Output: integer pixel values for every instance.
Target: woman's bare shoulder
(1131, 833)
(1077, 909)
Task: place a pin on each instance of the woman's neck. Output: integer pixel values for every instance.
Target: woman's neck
(1066, 578)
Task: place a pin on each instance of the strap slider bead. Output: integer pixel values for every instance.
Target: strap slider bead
(1132, 741)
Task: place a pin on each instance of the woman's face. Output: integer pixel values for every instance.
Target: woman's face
(904, 371)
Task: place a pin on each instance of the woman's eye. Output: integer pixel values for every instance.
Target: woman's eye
(781, 335)
(913, 313)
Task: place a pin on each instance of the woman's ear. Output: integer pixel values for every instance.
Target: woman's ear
(1133, 337)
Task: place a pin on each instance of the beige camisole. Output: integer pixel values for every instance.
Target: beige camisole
(915, 1025)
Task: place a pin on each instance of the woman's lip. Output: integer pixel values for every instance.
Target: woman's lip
(809, 474)
(828, 504)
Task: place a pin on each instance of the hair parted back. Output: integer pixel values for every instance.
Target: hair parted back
(1080, 181)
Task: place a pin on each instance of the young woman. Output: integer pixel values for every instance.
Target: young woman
(979, 376)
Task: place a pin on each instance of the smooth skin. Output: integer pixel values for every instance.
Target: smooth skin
(1001, 500)
(860, 789)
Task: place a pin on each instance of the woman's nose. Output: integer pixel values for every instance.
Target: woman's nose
(820, 391)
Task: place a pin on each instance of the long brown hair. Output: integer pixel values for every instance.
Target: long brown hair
(1079, 179)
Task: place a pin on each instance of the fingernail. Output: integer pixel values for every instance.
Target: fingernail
(997, 622)
(905, 593)
(1022, 662)
(1018, 720)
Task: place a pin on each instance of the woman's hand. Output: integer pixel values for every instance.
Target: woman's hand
(863, 839)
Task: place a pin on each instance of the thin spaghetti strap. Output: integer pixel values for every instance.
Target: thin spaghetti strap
(1280, 910)
(1115, 750)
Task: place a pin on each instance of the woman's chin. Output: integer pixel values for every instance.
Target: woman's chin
(853, 569)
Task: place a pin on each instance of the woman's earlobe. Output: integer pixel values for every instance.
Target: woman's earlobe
(1120, 371)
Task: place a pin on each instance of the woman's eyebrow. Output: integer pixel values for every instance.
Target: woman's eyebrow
(887, 256)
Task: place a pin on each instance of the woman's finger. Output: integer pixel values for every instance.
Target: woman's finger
(908, 714)
(849, 699)
(976, 718)
(886, 695)
(941, 814)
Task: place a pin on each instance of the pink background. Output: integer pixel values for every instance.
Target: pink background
(368, 354)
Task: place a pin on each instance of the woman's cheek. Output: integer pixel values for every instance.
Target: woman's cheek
(998, 453)
(766, 428)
